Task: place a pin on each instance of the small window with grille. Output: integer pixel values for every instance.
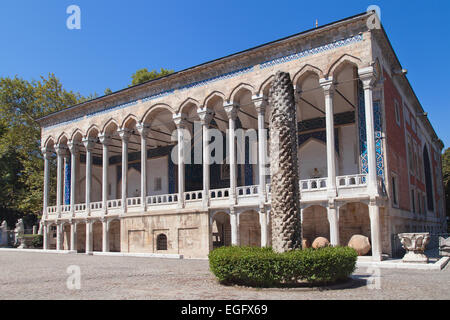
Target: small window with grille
(161, 242)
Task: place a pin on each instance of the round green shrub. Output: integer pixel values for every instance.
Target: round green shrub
(262, 267)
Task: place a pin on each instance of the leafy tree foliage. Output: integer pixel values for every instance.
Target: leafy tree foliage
(21, 163)
(143, 75)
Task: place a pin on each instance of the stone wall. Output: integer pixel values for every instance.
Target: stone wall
(353, 219)
(249, 229)
(315, 223)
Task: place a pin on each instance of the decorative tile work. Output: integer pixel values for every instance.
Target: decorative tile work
(364, 168)
(171, 166)
(67, 177)
(225, 76)
(309, 52)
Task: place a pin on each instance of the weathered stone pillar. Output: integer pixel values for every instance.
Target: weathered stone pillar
(60, 152)
(206, 116)
(232, 110)
(59, 236)
(181, 123)
(45, 236)
(328, 89)
(367, 76)
(285, 193)
(143, 131)
(125, 136)
(263, 225)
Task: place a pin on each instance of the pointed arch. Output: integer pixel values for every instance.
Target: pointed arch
(50, 139)
(62, 136)
(343, 61)
(187, 102)
(239, 88)
(213, 95)
(77, 132)
(127, 119)
(266, 84)
(109, 123)
(305, 72)
(154, 108)
(90, 132)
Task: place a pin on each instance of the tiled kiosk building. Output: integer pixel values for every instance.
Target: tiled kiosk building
(369, 158)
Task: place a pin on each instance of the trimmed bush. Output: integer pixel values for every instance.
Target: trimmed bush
(262, 267)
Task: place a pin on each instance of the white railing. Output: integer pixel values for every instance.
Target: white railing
(65, 208)
(163, 198)
(193, 195)
(53, 209)
(313, 184)
(134, 202)
(96, 205)
(219, 193)
(247, 191)
(114, 204)
(79, 207)
(350, 181)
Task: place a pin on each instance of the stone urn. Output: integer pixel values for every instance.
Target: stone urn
(415, 244)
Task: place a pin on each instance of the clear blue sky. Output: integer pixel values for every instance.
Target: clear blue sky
(119, 37)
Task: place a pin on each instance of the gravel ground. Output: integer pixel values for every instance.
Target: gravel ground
(44, 276)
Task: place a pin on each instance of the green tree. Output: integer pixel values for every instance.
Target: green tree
(21, 163)
(108, 91)
(446, 176)
(143, 75)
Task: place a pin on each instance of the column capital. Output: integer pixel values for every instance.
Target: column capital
(327, 85)
(260, 104)
(180, 120)
(368, 76)
(89, 143)
(60, 149)
(205, 115)
(73, 147)
(104, 139)
(143, 129)
(231, 109)
(124, 134)
(46, 152)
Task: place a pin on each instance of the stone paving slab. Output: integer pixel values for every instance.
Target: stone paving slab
(31, 275)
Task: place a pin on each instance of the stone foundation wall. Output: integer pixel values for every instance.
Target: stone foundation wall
(249, 229)
(315, 223)
(353, 219)
(187, 233)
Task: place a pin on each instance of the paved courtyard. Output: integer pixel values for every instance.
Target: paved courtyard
(44, 276)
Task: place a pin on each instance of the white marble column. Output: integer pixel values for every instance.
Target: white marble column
(260, 105)
(333, 220)
(234, 221)
(263, 225)
(105, 236)
(143, 131)
(105, 141)
(125, 136)
(181, 123)
(73, 174)
(206, 116)
(46, 154)
(60, 152)
(232, 110)
(45, 236)
(89, 145)
(368, 76)
(73, 236)
(89, 238)
(328, 89)
(59, 236)
(375, 230)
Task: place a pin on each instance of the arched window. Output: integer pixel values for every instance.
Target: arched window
(161, 242)
(428, 181)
